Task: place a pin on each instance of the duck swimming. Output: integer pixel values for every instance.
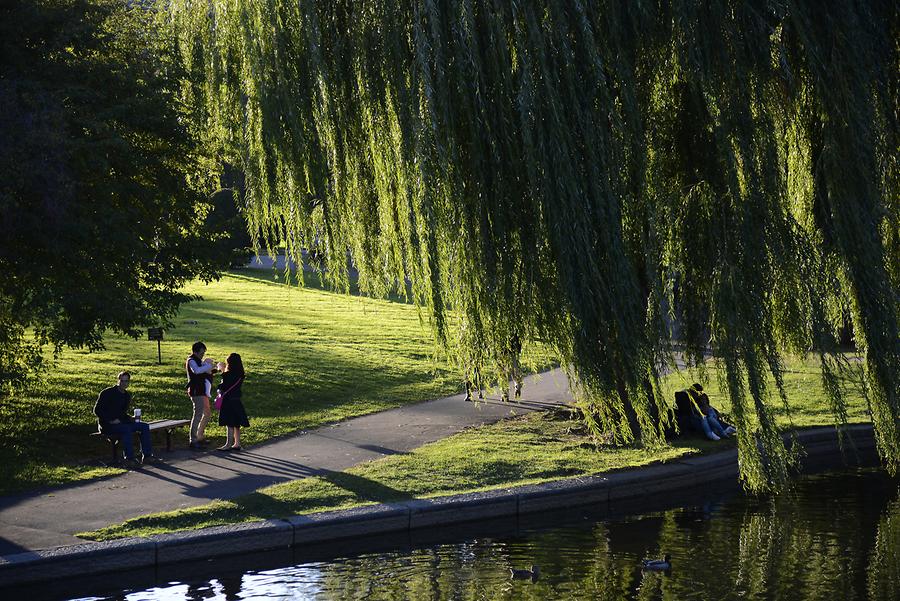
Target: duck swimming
(533, 574)
(657, 564)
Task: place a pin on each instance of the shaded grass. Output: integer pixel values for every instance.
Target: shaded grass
(531, 449)
(312, 357)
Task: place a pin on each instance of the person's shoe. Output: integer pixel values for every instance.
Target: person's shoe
(730, 430)
(203, 442)
(131, 464)
(713, 436)
(150, 459)
(234, 449)
(195, 446)
(223, 448)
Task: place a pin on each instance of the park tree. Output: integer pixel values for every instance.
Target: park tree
(103, 182)
(227, 219)
(587, 173)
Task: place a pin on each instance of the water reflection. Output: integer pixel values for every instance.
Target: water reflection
(834, 536)
(884, 564)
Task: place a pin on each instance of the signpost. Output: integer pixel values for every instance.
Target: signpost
(157, 335)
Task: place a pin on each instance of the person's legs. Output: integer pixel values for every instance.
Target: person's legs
(237, 437)
(195, 417)
(123, 431)
(199, 419)
(714, 423)
(726, 427)
(143, 429)
(517, 376)
(204, 419)
(701, 423)
(229, 439)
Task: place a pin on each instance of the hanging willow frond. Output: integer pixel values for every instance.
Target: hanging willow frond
(581, 171)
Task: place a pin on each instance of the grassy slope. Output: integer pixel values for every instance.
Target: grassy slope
(520, 451)
(312, 357)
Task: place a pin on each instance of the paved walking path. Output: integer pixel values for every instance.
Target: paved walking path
(50, 518)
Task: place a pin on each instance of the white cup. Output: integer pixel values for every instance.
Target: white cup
(137, 415)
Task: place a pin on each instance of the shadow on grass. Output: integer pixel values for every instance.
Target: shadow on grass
(364, 489)
(336, 490)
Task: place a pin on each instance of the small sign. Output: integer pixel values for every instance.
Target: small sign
(154, 333)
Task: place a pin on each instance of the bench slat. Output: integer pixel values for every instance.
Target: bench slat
(167, 423)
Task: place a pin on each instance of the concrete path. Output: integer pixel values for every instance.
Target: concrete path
(50, 518)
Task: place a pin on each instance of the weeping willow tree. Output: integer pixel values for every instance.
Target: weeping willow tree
(586, 174)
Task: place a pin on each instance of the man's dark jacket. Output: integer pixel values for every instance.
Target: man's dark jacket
(112, 404)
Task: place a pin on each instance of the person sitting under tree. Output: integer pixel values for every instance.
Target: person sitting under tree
(705, 417)
(111, 410)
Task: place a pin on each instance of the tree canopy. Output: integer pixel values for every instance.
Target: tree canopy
(587, 174)
(102, 183)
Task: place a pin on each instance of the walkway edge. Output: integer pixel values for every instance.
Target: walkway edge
(820, 445)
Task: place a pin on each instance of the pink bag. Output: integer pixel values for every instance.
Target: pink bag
(218, 402)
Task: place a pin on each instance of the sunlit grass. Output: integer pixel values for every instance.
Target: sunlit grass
(527, 450)
(312, 357)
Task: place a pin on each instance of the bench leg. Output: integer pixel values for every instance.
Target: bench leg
(169, 440)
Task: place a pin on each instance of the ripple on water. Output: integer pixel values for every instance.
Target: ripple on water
(815, 541)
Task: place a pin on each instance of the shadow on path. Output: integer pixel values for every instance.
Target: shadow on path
(241, 465)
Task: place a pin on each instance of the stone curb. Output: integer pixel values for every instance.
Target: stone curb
(77, 560)
(348, 523)
(222, 540)
(601, 492)
(441, 511)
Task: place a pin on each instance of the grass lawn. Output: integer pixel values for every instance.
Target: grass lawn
(312, 357)
(535, 448)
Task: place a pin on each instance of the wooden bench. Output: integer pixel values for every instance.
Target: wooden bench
(160, 424)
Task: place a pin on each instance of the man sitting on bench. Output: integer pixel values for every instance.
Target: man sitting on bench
(111, 410)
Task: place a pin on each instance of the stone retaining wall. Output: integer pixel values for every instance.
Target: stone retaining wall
(619, 489)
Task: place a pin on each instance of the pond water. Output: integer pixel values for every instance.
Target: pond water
(834, 536)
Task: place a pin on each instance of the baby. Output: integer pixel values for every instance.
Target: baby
(208, 377)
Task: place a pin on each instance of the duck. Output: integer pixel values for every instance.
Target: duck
(533, 574)
(658, 564)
